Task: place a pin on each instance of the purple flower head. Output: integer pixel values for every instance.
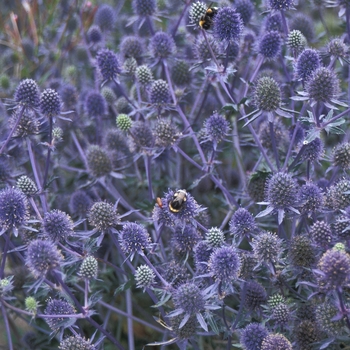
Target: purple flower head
(306, 333)
(183, 332)
(253, 335)
(270, 45)
(323, 85)
(132, 46)
(99, 161)
(217, 127)
(162, 45)
(134, 238)
(166, 133)
(159, 93)
(267, 247)
(341, 155)
(253, 295)
(102, 216)
(144, 8)
(189, 298)
(42, 256)
(57, 225)
(94, 34)
(321, 233)
(325, 314)
(282, 191)
(185, 238)
(228, 24)
(242, 223)
(180, 205)
(224, 264)
(281, 314)
(335, 266)
(105, 17)
(79, 203)
(50, 103)
(280, 4)
(59, 307)
(338, 195)
(311, 198)
(202, 252)
(28, 125)
(308, 61)
(27, 93)
(76, 342)
(302, 253)
(313, 151)
(273, 23)
(276, 342)
(175, 273)
(181, 74)
(69, 96)
(95, 104)
(14, 210)
(246, 9)
(142, 136)
(267, 94)
(108, 64)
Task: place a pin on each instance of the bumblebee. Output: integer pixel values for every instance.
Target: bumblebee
(178, 201)
(206, 20)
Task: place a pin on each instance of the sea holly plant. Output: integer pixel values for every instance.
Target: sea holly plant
(198, 196)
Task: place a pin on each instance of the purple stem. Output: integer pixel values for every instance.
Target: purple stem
(13, 129)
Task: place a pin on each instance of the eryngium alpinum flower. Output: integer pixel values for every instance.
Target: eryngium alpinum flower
(270, 45)
(228, 25)
(197, 10)
(280, 4)
(253, 295)
(14, 210)
(224, 264)
(185, 332)
(308, 61)
(267, 247)
(341, 155)
(95, 104)
(88, 268)
(217, 128)
(335, 266)
(28, 125)
(338, 195)
(302, 253)
(267, 94)
(215, 237)
(276, 342)
(159, 93)
(185, 237)
(102, 215)
(134, 238)
(311, 198)
(306, 333)
(27, 93)
(99, 161)
(166, 134)
(253, 335)
(108, 64)
(144, 7)
(50, 103)
(59, 307)
(189, 298)
(242, 223)
(323, 85)
(76, 342)
(42, 256)
(26, 185)
(162, 45)
(321, 233)
(144, 276)
(105, 17)
(57, 225)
